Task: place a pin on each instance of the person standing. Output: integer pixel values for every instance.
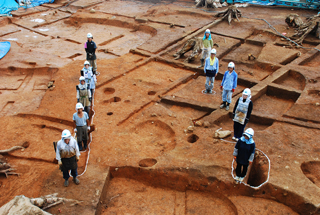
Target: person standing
(228, 85)
(90, 77)
(67, 154)
(244, 153)
(211, 69)
(81, 126)
(207, 44)
(241, 113)
(84, 94)
(90, 48)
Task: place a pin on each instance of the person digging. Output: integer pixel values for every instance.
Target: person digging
(228, 85)
(81, 124)
(244, 154)
(211, 69)
(67, 155)
(241, 113)
(84, 94)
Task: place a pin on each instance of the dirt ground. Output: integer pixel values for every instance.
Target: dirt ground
(142, 157)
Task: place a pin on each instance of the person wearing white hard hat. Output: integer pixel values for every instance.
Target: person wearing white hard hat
(241, 113)
(81, 126)
(90, 48)
(211, 69)
(67, 154)
(244, 153)
(24, 2)
(228, 85)
(90, 77)
(207, 44)
(84, 94)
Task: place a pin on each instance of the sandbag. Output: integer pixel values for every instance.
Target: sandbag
(21, 205)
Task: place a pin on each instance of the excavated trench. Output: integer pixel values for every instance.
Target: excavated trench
(184, 180)
(149, 99)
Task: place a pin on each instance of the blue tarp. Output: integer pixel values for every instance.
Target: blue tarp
(4, 48)
(6, 6)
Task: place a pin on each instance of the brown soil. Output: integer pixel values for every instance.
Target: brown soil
(147, 156)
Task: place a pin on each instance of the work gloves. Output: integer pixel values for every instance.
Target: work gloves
(75, 130)
(90, 55)
(88, 128)
(59, 163)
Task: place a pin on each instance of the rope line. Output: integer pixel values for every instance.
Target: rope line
(88, 156)
(254, 187)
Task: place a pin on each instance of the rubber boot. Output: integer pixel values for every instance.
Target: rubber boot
(202, 63)
(76, 181)
(223, 105)
(227, 107)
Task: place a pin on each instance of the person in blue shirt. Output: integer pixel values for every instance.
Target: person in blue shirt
(81, 126)
(244, 153)
(211, 69)
(228, 85)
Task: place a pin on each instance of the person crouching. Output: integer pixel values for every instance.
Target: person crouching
(67, 154)
(244, 153)
(81, 122)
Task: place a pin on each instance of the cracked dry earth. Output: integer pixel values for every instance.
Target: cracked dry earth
(141, 160)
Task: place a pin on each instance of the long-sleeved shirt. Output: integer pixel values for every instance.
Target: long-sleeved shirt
(249, 108)
(229, 80)
(207, 43)
(90, 48)
(244, 152)
(90, 77)
(211, 70)
(67, 150)
(81, 87)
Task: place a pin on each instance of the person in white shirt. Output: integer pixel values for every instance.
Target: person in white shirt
(67, 154)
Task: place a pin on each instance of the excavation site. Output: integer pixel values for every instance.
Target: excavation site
(161, 138)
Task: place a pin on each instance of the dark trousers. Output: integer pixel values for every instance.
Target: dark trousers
(82, 136)
(241, 170)
(66, 175)
(238, 129)
(87, 109)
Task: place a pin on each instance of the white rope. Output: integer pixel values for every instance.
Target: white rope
(254, 187)
(260, 184)
(88, 156)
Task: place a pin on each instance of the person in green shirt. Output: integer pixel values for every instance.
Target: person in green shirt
(207, 44)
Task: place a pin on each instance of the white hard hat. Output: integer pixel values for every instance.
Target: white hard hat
(89, 35)
(246, 92)
(207, 31)
(82, 79)
(66, 134)
(86, 63)
(79, 106)
(231, 65)
(249, 132)
(213, 51)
